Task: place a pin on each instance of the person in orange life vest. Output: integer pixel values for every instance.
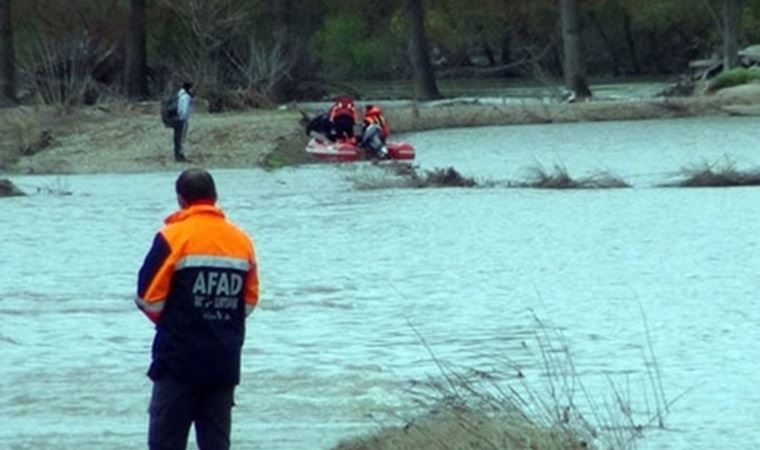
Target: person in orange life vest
(375, 131)
(198, 284)
(343, 117)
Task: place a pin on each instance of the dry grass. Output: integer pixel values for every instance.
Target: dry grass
(8, 189)
(464, 429)
(25, 131)
(427, 117)
(717, 174)
(131, 138)
(558, 178)
(512, 407)
(404, 175)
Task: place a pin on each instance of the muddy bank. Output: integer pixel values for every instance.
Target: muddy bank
(130, 137)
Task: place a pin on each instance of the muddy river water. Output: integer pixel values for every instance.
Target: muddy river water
(352, 278)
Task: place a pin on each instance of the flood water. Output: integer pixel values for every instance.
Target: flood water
(348, 275)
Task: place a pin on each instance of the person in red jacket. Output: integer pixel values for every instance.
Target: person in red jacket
(198, 284)
(343, 116)
(375, 131)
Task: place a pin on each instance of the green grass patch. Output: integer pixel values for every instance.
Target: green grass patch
(733, 77)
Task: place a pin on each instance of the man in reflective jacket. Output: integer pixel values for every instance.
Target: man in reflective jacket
(343, 116)
(375, 131)
(198, 284)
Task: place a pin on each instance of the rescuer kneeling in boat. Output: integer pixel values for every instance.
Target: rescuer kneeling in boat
(375, 131)
(343, 117)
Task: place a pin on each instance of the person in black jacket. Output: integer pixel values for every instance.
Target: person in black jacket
(321, 127)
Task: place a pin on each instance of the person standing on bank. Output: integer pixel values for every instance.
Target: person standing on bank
(184, 101)
(198, 284)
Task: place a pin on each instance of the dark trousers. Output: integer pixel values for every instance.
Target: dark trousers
(344, 127)
(174, 406)
(180, 129)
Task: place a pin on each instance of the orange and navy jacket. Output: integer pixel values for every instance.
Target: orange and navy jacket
(343, 107)
(198, 283)
(379, 120)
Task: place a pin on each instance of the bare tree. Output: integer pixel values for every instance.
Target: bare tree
(731, 9)
(574, 64)
(263, 67)
(286, 48)
(7, 56)
(213, 24)
(136, 71)
(424, 76)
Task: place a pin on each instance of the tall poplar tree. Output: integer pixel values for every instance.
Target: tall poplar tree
(7, 56)
(136, 71)
(731, 9)
(419, 51)
(573, 64)
(283, 14)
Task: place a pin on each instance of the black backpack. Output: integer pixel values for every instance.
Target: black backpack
(169, 111)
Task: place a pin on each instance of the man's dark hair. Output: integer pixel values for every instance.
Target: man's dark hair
(195, 185)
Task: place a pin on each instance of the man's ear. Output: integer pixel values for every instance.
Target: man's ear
(181, 201)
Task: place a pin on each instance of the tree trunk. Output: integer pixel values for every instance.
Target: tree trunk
(284, 87)
(136, 71)
(731, 10)
(608, 44)
(631, 44)
(574, 64)
(424, 77)
(506, 43)
(7, 56)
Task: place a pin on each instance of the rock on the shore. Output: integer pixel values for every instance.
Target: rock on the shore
(8, 189)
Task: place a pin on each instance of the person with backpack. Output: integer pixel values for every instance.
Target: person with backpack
(184, 101)
(343, 117)
(375, 131)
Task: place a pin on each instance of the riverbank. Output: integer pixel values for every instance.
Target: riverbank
(126, 138)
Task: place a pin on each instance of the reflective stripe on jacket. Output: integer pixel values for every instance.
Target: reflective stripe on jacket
(343, 107)
(198, 283)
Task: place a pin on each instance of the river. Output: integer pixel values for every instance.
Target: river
(352, 278)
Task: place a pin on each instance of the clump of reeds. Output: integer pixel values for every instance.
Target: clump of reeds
(402, 175)
(56, 187)
(716, 174)
(465, 429)
(28, 131)
(558, 178)
(8, 189)
(503, 408)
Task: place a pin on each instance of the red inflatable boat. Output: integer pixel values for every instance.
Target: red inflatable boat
(327, 151)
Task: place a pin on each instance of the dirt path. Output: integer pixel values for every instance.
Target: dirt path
(132, 139)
